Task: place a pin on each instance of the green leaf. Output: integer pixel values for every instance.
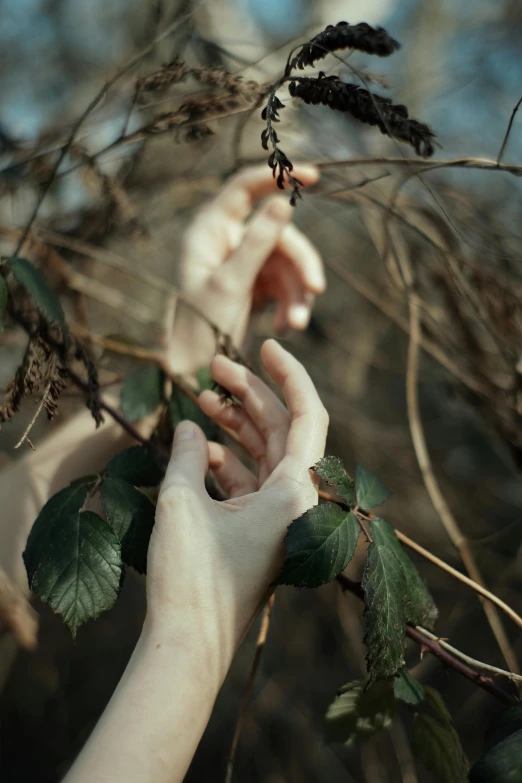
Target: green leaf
(4, 295)
(38, 289)
(331, 469)
(419, 605)
(438, 746)
(384, 587)
(139, 465)
(436, 704)
(131, 516)
(369, 490)
(73, 559)
(319, 545)
(357, 713)
(204, 379)
(141, 393)
(501, 764)
(407, 688)
(182, 407)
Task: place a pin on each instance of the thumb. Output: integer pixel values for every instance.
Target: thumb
(261, 238)
(188, 463)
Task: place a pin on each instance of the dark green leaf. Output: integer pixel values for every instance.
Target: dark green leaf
(319, 545)
(438, 746)
(4, 295)
(369, 490)
(501, 764)
(182, 407)
(407, 688)
(331, 469)
(131, 516)
(38, 289)
(139, 465)
(141, 393)
(73, 559)
(62, 505)
(384, 586)
(357, 713)
(436, 704)
(419, 605)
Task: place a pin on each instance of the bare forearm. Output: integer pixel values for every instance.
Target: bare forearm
(154, 721)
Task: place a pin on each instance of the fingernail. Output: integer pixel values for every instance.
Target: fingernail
(300, 315)
(185, 430)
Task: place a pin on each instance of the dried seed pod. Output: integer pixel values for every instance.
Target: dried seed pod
(391, 119)
(172, 73)
(363, 37)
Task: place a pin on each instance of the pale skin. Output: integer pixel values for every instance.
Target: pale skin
(210, 564)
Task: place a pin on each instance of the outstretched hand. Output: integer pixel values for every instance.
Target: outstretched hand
(235, 259)
(211, 563)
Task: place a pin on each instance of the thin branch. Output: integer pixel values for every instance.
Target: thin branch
(435, 648)
(467, 659)
(432, 486)
(463, 163)
(260, 645)
(25, 436)
(508, 131)
(478, 588)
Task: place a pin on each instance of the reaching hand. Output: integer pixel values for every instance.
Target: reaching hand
(211, 563)
(230, 266)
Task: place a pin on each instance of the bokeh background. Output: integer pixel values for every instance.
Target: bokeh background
(459, 70)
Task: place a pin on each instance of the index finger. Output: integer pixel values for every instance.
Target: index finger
(309, 420)
(240, 194)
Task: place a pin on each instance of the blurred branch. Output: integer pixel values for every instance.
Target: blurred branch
(260, 646)
(16, 614)
(508, 131)
(435, 648)
(82, 118)
(423, 458)
(425, 165)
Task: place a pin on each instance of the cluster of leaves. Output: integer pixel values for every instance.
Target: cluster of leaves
(76, 558)
(358, 712)
(391, 119)
(320, 544)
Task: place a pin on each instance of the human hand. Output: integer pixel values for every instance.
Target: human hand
(211, 564)
(230, 266)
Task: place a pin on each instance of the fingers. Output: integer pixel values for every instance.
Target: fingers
(261, 237)
(279, 281)
(189, 460)
(244, 190)
(309, 420)
(235, 419)
(262, 422)
(303, 257)
(233, 476)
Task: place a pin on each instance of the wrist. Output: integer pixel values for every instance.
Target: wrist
(200, 642)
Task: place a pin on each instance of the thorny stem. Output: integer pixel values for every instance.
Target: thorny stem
(438, 651)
